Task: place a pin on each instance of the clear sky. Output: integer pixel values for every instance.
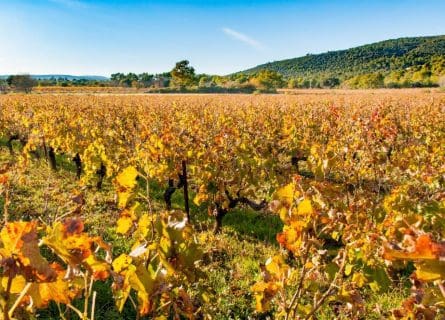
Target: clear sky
(98, 37)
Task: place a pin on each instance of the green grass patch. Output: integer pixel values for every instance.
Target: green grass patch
(258, 225)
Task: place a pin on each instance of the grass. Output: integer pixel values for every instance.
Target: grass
(231, 261)
(254, 225)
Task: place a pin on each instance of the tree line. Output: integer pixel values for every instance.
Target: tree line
(183, 78)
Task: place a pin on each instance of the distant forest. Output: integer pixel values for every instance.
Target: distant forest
(404, 62)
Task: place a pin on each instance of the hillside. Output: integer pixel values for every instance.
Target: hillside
(383, 57)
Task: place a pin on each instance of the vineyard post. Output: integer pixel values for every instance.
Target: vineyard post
(52, 159)
(186, 191)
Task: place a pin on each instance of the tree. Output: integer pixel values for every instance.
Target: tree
(125, 80)
(116, 78)
(3, 86)
(392, 80)
(422, 77)
(183, 75)
(330, 82)
(146, 79)
(129, 80)
(204, 81)
(240, 77)
(268, 79)
(292, 83)
(365, 81)
(22, 82)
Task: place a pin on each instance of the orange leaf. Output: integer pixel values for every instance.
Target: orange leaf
(424, 249)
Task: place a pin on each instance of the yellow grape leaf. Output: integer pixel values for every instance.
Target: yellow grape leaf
(261, 304)
(123, 197)
(99, 268)
(42, 293)
(127, 178)
(11, 236)
(59, 291)
(136, 283)
(125, 181)
(335, 235)
(430, 270)
(359, 279)
(17, 284)
(75, 247)
(129, 276)
(68, 241)
(286, 194)
(124, 223)
(305, 208)
(276, 266)
(264, 293)
(122, 262)
(121, 286)
(127, 218)
(20, 241)
(348, 269)
(145, 278)
(143, 227)
(144, 303)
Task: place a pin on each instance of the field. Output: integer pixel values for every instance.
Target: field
(314, 204)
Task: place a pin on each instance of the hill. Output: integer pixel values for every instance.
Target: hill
(403, 55)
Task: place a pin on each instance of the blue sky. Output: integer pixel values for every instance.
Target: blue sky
(219, 37)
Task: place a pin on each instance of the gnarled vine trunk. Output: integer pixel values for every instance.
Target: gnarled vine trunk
(78, 163)
(52, 159)
(101, 173)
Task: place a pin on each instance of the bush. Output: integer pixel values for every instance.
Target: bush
(22, 82)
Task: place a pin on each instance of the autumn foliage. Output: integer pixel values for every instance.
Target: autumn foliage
(357, 181)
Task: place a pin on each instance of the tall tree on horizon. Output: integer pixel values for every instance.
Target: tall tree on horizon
(183, 74)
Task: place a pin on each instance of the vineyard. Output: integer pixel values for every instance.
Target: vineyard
(287, 206)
